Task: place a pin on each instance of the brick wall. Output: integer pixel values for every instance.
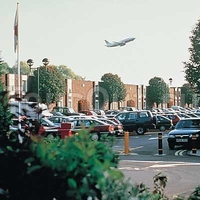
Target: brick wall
(79, 89)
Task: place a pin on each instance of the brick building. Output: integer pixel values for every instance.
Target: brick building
(77, 90)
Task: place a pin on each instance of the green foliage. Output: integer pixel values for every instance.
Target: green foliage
(74, 168)
(112, 88)
(195, 194)
(51, 84)
(160, 182)
(4, 68)
(187, 93)
(192, 67)
(68, 73)
(24, 69)
(157, 91)
(85, 165)
(5, 115)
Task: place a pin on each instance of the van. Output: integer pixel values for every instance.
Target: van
(138, 121)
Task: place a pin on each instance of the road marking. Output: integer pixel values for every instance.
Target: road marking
(156, 138)
(158, 162)
(179, 152)
(173, 165)
(129, 168)
(155, 164)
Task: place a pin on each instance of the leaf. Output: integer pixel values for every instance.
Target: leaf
(72, 183)
(9, 148)
(33, 168)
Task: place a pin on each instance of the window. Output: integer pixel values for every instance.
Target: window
(24, 85)
(86, 123)
(132, 115)
(122, 116)
(143, 114)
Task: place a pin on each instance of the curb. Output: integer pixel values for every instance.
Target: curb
(193, 154)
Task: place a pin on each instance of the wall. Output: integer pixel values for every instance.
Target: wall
(132, 94)
(77, 90)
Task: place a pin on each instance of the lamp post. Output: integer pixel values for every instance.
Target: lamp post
(45, 62)
(170, 81)
(30, 64)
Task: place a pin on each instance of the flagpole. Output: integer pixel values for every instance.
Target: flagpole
(16, 49)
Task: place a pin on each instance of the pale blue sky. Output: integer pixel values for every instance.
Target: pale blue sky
(72, 32)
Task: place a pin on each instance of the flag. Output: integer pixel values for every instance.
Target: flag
(16, 30)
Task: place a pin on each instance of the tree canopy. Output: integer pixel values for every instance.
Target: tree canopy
(157, 91)
(68, 73)
(187, 94)
(115, 88)
(4, 68)
(192, 67)
(24, 69)
(51, 83)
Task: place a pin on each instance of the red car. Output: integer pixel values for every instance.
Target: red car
(99, 127)
(118, 127)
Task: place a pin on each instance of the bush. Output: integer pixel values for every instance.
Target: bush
(76, 168)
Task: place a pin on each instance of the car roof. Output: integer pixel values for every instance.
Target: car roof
(191, 118)
(84, 119)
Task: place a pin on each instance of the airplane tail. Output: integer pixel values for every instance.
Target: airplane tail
(106, 42)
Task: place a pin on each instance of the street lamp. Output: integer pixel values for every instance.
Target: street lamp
(30, 64)
(170, 81)
(45, 62)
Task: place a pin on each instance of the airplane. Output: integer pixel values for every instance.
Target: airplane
(120, 43)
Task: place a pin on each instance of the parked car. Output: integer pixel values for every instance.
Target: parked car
(163, 123)
(98, 127)
(111, 113)
(88, 112)
(117, 127)
(139, 121)
(182, 133)
(191, 114)
(174, 117)
(35, 126)
(183, 115)
(57, 120)
(66, 111)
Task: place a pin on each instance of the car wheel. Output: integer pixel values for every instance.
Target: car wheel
(140, 131)
(94, 136)
(162, 128)
(171, 145)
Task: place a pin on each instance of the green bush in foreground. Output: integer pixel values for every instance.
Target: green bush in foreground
(75, 168)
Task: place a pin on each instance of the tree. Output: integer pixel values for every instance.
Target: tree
(187, 94)
(157, 91)
(51, 84)
(192, 67)
(114, 87)
(24, 69)
(68, 73)
(1, 59)
(5, 115)
(4, 68)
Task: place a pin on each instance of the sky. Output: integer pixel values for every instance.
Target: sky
(72, 33)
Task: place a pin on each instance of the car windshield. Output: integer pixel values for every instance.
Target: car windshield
(45, 121)
(188, 124)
